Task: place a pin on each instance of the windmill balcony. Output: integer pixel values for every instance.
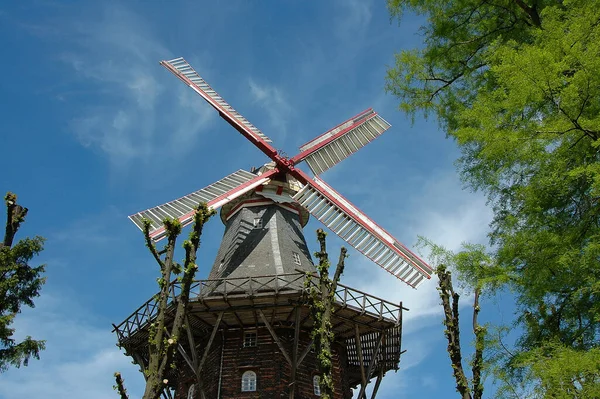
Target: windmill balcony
(367, 331)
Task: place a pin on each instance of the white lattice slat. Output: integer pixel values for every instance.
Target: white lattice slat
(199, 84)
(339, 143)
(184, 205)
(354, 227)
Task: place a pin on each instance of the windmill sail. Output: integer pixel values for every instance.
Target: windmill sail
(215, 195)
(358, 230)
(340, 142)
(184, 71)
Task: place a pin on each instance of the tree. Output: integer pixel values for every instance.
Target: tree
(321, 307)
(517, 84)
(477, 274)
(19, 284)
(163, 339)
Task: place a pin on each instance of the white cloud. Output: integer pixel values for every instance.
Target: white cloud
(131, 116)
(353, 18)
(272, 100)
(80, 357)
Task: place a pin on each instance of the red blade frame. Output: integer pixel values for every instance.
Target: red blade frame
(265, 147)
(330, 135)
(360, 217)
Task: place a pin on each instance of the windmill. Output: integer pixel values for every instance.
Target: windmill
(314, 195)
(248, 327)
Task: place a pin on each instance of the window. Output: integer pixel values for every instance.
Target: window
(258, 223)
(249, 381)
(249, 339)
(296, 256)
(316, 386)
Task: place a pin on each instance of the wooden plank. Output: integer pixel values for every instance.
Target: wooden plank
(192, 342)
(371, 364)
(295, 354)
(182, 352)
(363, 377)
(376, 388)
(275, 338)
(208, 345)
(305, 352)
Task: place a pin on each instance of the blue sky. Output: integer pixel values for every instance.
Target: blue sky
(92, 129)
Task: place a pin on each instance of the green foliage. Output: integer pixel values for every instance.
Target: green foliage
(517, 85)
(321, 301)
(19, 284)
(477, 272)
(164, 331)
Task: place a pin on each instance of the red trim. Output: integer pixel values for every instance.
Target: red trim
(298, 158)
(265, 147)
(159, 232)
(315, 185)
(279, 190)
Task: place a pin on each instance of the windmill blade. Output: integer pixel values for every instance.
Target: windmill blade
(184, 71)
(340, 142)
(215, 195)
(354, 227)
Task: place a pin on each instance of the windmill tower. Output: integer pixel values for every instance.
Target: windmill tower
(249, 325)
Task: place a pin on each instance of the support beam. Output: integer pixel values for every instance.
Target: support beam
(295, 354)
(363, 377)
(275, 337)
(376, 388)
(305, 351)
(182, 352)
(209, 344)
(362, 393)
(140, 362)
(191, 341)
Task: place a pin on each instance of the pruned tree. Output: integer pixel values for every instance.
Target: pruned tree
(450, 300)
(163, 338)
(321, 305)
(19, 284)
(478, 274)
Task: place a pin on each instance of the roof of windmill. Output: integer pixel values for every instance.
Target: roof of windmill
(262, 239)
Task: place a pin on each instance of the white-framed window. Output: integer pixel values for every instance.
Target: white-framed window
(191, 392)
(249, 339)
(249, 381)
(258, 223)
(316, 386)
(296, 256)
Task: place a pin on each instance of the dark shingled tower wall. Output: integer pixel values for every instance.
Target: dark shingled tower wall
(260, 241)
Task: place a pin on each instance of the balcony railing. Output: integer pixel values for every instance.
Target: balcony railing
(244, 287)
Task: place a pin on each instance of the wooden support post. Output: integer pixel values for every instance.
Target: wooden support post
(209, 344)
(295, 354)
(191, 341)
(305, 351)
(183, 353)
(363, 377)
(362, 393)
(138, 359)
(275, 338)
(376, 388)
